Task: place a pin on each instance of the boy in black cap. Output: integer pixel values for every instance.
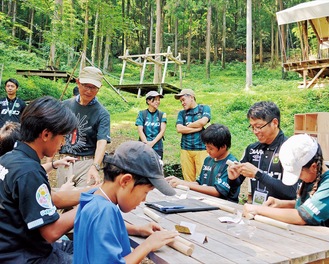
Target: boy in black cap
(99, 229)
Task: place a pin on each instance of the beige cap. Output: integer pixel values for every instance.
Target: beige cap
(153, 94)
(184, 92)
(91, 75)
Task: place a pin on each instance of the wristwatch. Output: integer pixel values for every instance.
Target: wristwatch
(97, 166)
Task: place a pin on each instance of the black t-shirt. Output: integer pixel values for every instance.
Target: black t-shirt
(25, 206)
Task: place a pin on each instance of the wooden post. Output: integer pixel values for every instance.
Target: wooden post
(123, 67)
(165, 68)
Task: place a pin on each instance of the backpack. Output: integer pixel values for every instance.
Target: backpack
(200, 111)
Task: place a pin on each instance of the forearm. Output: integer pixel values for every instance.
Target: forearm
(55, 230)
(161, 133)
(199, 123)
(100, 151)
(64, 199)
(287, 215)
(187, 130)
(276, 186)
(141, 134)
(209, 190)
(138, 254)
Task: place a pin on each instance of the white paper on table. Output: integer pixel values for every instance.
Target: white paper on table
(228, 219)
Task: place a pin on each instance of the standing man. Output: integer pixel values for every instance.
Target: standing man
(190, 122)
(11, 106)
(261, 163)
(88, 142)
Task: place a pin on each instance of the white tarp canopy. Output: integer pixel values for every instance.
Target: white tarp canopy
(304, 11)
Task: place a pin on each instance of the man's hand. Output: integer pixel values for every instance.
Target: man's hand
(93, 177)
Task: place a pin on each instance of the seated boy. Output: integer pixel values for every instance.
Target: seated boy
(30, 224)
(100, 234)
(213, 179)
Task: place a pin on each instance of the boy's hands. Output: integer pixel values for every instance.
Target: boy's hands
(159, 239)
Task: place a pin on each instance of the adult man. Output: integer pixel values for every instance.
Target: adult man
(30, 224)
(190, 122)
(261, 161)
(11, 107)
(88, 142)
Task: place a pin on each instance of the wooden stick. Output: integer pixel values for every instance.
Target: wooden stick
(271, 221)
(179, 246)
(221, 206)
(152, 215)
(184, 241)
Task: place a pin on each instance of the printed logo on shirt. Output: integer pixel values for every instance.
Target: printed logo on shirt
(3, 172)
(256, 154)
(43, 198)
(276, 158)
(308, 203)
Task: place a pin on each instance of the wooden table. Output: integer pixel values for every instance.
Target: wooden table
(258, 242)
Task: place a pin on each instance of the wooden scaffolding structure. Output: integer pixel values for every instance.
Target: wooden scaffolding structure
(142, 60)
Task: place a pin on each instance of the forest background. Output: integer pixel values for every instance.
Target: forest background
(209, 35)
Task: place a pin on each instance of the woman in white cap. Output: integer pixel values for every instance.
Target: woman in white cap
(301, 158)
(151, 123)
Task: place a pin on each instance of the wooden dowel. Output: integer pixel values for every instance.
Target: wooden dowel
(179, 246)
(271, 221)
(221, 206)
(152, 215)
(184, 241)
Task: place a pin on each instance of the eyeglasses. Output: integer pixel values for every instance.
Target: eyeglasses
(257, 129)
(91, 87)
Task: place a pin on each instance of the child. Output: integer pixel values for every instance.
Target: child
(100, 234)
(30, 223)
(301, 158)
(213, 179)
(151, 123)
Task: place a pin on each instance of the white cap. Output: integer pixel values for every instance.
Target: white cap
(296, 152)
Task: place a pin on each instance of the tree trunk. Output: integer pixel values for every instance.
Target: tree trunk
(107, 52)
(216, 30)
(208, 40)
(31, 29)
(224, 36)
(56, 19)
(157, 68)
(85, 35)
(94, 44)
(189, 43)
(13, 32)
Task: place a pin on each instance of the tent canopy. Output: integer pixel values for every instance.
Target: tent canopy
(316, 12)
(304, 11)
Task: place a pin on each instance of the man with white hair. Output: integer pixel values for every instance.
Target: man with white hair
(302, 159)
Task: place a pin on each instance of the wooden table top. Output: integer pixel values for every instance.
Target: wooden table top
(250, 241)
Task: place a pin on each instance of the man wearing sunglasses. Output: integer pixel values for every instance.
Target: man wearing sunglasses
(260, 162)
